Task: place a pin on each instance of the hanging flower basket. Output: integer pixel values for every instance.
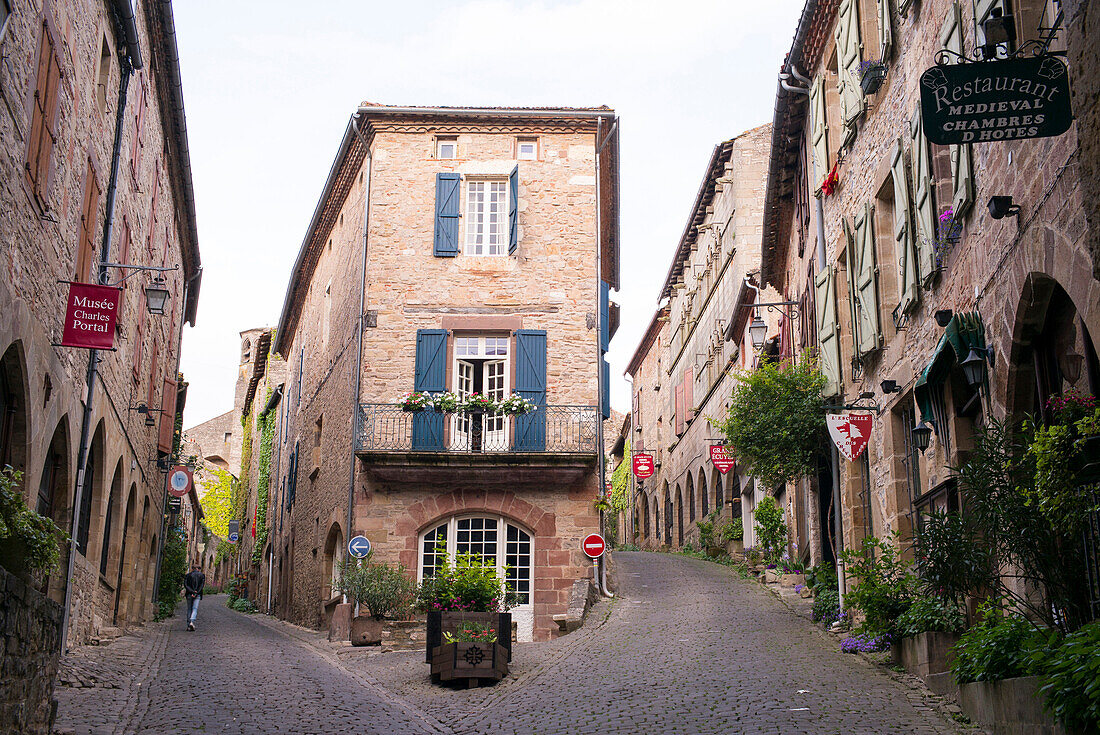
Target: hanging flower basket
(415, 401)
(477, 403)
(950, 227)
(831, 182)
(515, 405)
(445, 402)
(871, 76)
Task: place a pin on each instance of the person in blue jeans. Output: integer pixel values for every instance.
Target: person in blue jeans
(192, 590)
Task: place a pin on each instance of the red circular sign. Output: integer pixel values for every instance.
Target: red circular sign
(179, 481)
(593, 545)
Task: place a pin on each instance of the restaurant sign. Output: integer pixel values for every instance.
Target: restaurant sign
(90, 316)
(989, 101)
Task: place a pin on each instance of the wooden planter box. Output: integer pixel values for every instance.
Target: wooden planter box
(448, 622)
(470, 661)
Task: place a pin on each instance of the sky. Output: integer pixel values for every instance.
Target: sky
(269, 87)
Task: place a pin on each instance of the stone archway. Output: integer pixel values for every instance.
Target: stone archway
(14, 418)
(689, 498)
(127, 566)
(53, 502)
(704, 500)
(679, 517)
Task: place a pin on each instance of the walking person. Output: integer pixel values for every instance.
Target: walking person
(192, 590)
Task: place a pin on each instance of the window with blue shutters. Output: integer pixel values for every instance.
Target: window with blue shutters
(447, 211)
(431, 377)
(513, 210)
(530, 435)
(605, 343)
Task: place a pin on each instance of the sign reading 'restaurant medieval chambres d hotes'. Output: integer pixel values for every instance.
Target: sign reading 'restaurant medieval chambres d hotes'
(988, 101)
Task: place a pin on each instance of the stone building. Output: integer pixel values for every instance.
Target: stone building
(682, 370)
(472, 250)
(95, 168)
(895, 300)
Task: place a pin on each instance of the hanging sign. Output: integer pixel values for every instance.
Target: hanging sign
(643, 465)
(179, 481)
(721, 458)
(988, 101)
(850, 432)
(234, 532)
(90, 316)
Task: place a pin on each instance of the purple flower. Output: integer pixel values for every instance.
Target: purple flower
(799, 587)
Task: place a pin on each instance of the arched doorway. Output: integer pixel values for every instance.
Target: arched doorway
(645, 518)
(333, 566)
(702, 485)
(719, 500)
(92, 492)
(679, 516)
(127, 554)
(53, 502)
(110, 519)
(668, 516)
(690, 498)
(13, 409)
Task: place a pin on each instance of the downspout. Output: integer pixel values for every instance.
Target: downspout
(600, 566)
(358, 335)
(126, 68)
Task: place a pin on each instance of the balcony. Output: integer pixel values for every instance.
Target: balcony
(551, 444)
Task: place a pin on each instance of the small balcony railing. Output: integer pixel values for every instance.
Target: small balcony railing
(385, 427)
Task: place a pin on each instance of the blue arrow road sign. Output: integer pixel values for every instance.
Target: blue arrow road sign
(359, 547)
(234, 537)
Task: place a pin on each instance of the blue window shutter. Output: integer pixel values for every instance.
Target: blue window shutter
(430, 377)
(513, 210)
(605, 395)
(446, 214)
(605, 316)
(301, 365)
(531, 384)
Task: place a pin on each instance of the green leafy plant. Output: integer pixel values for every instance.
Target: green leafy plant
(173, 568)
(707, 536)
(775, 422)
(1071, 678)
(620, 481)
(1058, 492)
(243, 605)
(952, 558)
(930, 614)
(473, 633)
(469, 583)
(734, 530)
(770, 528)
(998, 647)
(263, 481)
(26, 538)
(886, 585)
(381, 588)
(826, 608)
(822, 576)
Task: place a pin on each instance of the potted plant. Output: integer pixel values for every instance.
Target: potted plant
(464, 590)
(415, 401)
(871, 76)
(378, 590)
(515, 405)
(29, 543)
(477, 403)
(733, 533)
(446, 402)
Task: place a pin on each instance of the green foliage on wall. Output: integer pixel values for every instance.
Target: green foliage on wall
(217, 502)
(263, 481)
(173, 568)
(240, 497)
(620, 481)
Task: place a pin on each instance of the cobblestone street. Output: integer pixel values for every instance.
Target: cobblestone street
(685, 648)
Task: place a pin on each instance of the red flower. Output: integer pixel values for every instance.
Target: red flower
(832, 180)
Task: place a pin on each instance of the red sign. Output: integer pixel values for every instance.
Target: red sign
(90, 316)
(850, 432)
(643, 465)
(179, 481)
(721, 458)
(607, 487)
(593, 545)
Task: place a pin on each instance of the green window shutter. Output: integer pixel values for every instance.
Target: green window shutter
(903, 234)
(962, 167)
(446, 214)
(827, 332)
(851, 256)
(924, 204)
(869, 332)
(885, 29)
(819, 130)
(849, 50)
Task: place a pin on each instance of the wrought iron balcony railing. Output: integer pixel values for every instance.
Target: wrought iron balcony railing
(385, 427)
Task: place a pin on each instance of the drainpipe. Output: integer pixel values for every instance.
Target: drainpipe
(600, 564)
(358, 336)
(126, 66)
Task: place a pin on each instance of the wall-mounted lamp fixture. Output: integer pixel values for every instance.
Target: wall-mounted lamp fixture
(998, 29)
(758, 331)
(943, 317)
(922, 435)
(1002, 206)
(890, 386)
(156, 296)
(147, 412)
(974, 365)
(1070, 364)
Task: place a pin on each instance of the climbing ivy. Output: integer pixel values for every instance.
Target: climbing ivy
(620, 481)
(217, 502)
(240, 498)
(263, 480)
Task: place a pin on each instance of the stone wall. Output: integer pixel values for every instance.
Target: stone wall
(30, 628)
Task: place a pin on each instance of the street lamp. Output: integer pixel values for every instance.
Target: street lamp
(922, 435)
(156, 296)
(974, 365)
(758, 330)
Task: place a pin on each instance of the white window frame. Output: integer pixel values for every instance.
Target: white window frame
(446, 140)
(533, 141)
(503, 523)
(496, 438)
(485, 248)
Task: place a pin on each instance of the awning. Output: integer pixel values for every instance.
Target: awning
(962, 333)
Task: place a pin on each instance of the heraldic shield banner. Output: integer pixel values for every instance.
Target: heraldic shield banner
(850, 432)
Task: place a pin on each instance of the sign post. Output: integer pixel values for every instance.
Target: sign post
(359, 547)
(721, 458)
(643, 465)
(850, 432)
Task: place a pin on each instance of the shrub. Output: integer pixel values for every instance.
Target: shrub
(707, 532)
(826, 609)
(998, 647)
(929, 614)
(380, 588)
(822, 576)
(775, 423)
(173, 568)
(886, 586)
(473, 633)
(469, 584)
(1071, 679)
(243, 605)
(770, 528)
(734, 530)
(953, 559)
(210, 590)
(29, 538)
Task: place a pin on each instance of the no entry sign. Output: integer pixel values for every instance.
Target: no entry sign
(90, 316)
(643, 465)
(850, 432)
(721, 458)
(593, 545)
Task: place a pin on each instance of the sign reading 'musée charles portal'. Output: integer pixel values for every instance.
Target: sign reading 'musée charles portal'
(90, 316)
(988, 101)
